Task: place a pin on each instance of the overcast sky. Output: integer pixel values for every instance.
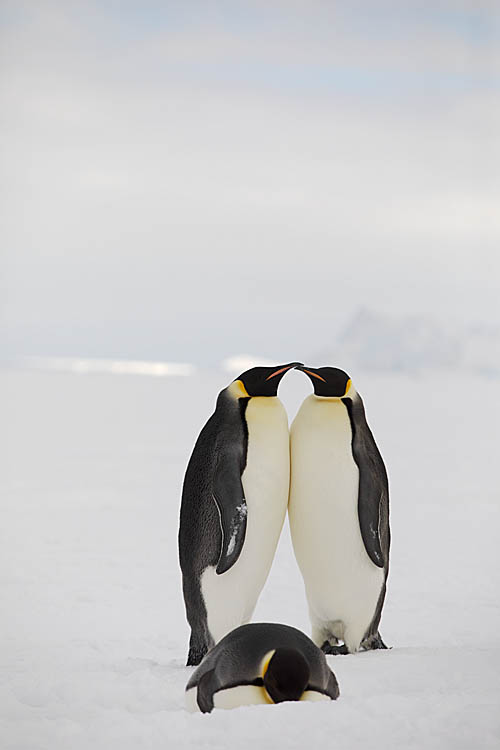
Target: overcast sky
(188, 180)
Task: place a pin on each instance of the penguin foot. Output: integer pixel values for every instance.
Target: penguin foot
(327, 648)
(373, 643)
(379, 643)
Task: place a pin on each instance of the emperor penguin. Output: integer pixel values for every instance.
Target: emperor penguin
(234, 502)
(261, 663)
(339, 514)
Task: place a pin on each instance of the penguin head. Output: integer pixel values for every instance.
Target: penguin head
(286, 676)
(329, 382)
(262, 381)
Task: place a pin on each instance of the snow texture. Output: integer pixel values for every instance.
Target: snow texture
(93, 635)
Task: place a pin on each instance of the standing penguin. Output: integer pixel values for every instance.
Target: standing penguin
(261, 663)
(339, 514)
(234, 503)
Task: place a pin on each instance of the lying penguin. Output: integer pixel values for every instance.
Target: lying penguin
(261, 663)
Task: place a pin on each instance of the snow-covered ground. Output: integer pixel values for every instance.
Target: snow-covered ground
(93, 636)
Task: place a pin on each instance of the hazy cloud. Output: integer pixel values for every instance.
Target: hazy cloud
(191, 180)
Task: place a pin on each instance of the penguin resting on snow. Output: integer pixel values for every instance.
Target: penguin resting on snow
(261, 663)
(234, 502)
(339, 514)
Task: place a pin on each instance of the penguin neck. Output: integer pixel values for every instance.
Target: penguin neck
(326, 399)
(232, 397)
(237, 391)
(352, 394)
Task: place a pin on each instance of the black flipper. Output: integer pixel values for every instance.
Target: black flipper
(333, 687)
(230, 501)
(207, 686)
(373, 483)
(369, 511)
(331, 690)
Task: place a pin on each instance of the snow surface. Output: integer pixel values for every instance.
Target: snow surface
(93, 636)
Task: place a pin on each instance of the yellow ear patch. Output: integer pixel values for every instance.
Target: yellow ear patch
(263, 669)
(265, 662)
(347, 386)
(238, 390)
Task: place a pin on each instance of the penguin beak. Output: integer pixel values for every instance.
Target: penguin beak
(284, 368)
(311, 373)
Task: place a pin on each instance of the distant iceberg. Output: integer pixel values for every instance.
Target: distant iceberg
(482, 350)
(377, 341)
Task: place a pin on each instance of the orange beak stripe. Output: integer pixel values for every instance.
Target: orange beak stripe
(315, 375)
(278, 372)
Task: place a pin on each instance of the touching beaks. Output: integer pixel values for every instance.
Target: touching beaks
(290, 366)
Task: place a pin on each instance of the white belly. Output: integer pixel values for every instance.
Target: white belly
(230, 598)
(342, 583)
(241, 695)
(244, 695)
